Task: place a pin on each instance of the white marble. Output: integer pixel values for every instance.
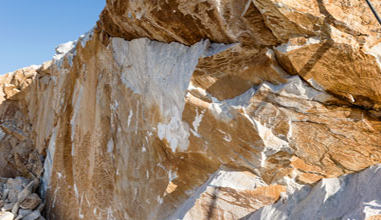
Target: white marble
(354, 196)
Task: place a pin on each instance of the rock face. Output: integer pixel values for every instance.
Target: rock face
(205, 109)
(345, 193)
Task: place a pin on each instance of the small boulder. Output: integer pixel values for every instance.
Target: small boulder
(15, 187)
(33, 216)
(6, 216)
(31, 202)
(23, 213)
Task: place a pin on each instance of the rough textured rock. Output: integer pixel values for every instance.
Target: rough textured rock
(231, 194)
(187, 22)
(31, 202)
(18, 156)
(201, 109)
(19, 192)
(346, 194)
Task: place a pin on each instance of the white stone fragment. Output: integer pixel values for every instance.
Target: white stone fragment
(287, 47)
(6, 216)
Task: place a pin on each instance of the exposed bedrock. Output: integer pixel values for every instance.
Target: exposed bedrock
(205, 109)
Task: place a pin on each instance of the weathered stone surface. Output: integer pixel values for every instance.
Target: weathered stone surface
(231, 194)
(354, 196)
(261, 129)
(229, 74)
(187, 22)
(344, 34)
(31, 202)
(280, 94)
(354, 74)
(16, 142)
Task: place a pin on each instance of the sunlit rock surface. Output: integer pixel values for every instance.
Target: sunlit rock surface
(174, 109)
(337, 198)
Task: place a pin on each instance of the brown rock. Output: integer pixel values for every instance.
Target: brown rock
(375, 217)
(31, 202)
(231, 73)
(219, 21)
(128, 125)
(347, 77)
(220, 198)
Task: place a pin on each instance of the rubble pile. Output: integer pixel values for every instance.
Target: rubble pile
(19, 199)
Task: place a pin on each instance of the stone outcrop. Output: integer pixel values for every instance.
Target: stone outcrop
(206, 109)
(18, 155)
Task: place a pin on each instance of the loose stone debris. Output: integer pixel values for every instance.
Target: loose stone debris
(19, 200)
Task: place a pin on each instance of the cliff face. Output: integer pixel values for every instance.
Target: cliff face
(205, 109)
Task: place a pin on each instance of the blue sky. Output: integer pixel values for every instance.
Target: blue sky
(30, 30)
